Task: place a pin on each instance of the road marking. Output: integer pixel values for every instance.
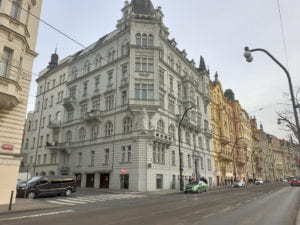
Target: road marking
(83, 199)
(61, 203)
(208, 215)
(226, 209)
(195, 198)
(38, 215)
(248, 200)
(71, 201)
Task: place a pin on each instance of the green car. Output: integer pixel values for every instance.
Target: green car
(196, 186)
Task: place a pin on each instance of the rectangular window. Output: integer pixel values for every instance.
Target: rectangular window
(83, 109)
(144, 91)
(106, 159)
(162, 100)
(46, 103)
(189, 161)
(129, 153)
(51, 101)
(92, 158)
(96, 104)
(97, 81)
(173, 158)
(124, 97)
(123, 154)
(154, 153)
(43, 122)
(45, 159)
(85, 88)
(159, 181)
(73, 92)
(53, 83)
(15, 9)
(41, 140)
(201, 163)
(79, 159)
(144, 64)
(70, 115)
(124, 71)
(161, 78)
(171, 106)
(39, 160)
(124, 181)
(137, 64)
(5, 62)
(109, 102)
(171, 84)
(33, 143)
(26, 143)
(209, 164)
(182, 159)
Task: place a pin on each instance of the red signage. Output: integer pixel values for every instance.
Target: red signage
(123, 170)
(7, 147)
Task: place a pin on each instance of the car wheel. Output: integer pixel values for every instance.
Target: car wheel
(31, 195)
(205, 190)
(68, 192)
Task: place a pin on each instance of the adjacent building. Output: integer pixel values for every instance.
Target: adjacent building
(18, 34)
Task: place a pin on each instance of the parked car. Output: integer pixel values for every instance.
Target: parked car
(259, 181)
(196, 187)
(295, 182)
(239, 183)
(46, 186)
(284, 180)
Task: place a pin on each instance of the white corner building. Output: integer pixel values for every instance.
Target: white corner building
(123, 100)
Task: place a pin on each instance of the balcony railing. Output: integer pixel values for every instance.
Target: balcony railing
(69, 103)
(162, 137)
(54, 124)
(93, 115)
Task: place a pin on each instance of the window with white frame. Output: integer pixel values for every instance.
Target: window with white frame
(109, 128)
(161, 77)
(97, 82)
(26, 143)
(70, 115)
(94, 132)
(160, 125)
(98, 61)
(106, 158)
(87, 67)
(69, 136)
(201, 163)
(110, 77)
(79, 159)
(150, 40)
(171, 84)
(189, 161)
(74, 73)
(96, 104)
(158, 153)
(162, 100)
(85, 88)
(144, 91)
(92, 158)
(172, 131)
(72, 92)
(124, 71)
(187, 138)
(124, 98)
(173, 158)
(138, 39)
(171, 106)
(127, 125)
(5, 61)
(144, 40)
(82, 134)
(83, 109)
(143, 64)
(209, 164)
(154, 152)
(15, 9)
(109, 102)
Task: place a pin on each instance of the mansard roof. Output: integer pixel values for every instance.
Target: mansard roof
(144, 7)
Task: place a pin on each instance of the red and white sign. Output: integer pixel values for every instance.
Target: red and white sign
(7, 147)
(123, 170)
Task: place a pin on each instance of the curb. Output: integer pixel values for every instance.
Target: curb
(298, 217)
(27, 210)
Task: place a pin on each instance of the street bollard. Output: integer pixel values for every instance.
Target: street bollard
(11, 198)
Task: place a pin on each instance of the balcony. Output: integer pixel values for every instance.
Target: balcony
(93, 115)
(54, 124)
(70, 103)
(240, 161)
(9, 93)
(224, 156)
(55, 146)
(189, 123)
(207, 132)
(224, 140)
(137, 105)
(163, 138)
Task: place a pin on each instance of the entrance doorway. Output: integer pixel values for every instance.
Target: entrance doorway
(124, 181)
(78, 179)
(90, 180)
(104, 180)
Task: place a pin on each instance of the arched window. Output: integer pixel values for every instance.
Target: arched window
(51, 173)
(109, 129)
(82, 133)
(127, 125)
(58, 116)
(160, 126)
(172, 131)
(187, 138)
(150, 40)
(68, 136)
(144, 40)
(42, 173)
(95, 130)
(138, 39)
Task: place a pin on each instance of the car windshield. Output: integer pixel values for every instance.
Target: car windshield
(33, 179)
(193, 182)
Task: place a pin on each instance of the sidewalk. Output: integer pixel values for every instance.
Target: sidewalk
(26, 205)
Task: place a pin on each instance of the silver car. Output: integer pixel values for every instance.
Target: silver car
(239, 183)
(259, 181)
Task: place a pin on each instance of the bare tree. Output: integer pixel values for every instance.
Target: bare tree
(286, 118)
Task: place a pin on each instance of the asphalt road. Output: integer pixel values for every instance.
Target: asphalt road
(259, 205)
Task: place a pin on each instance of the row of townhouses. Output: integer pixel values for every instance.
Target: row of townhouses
(109, 115)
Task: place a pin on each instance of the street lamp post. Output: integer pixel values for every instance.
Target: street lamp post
(233, 156)
(249, 58)
(179, 146)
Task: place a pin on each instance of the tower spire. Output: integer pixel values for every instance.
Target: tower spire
(202, 66)
(144, 7)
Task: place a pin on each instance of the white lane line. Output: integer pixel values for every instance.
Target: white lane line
(226, 209)
(83, 199)
(248, 201)
(60, 203)
(70, 201)
(37, 215)
(208, 215)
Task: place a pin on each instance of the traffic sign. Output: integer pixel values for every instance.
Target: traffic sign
(123, 170)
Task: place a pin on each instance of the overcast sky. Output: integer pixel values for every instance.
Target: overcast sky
(216, 29)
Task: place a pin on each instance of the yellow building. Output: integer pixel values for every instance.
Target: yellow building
(18, 34)
(223, 133)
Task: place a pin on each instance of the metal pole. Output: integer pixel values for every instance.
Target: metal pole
(290, 87)
(179, 146)
(11, 198)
